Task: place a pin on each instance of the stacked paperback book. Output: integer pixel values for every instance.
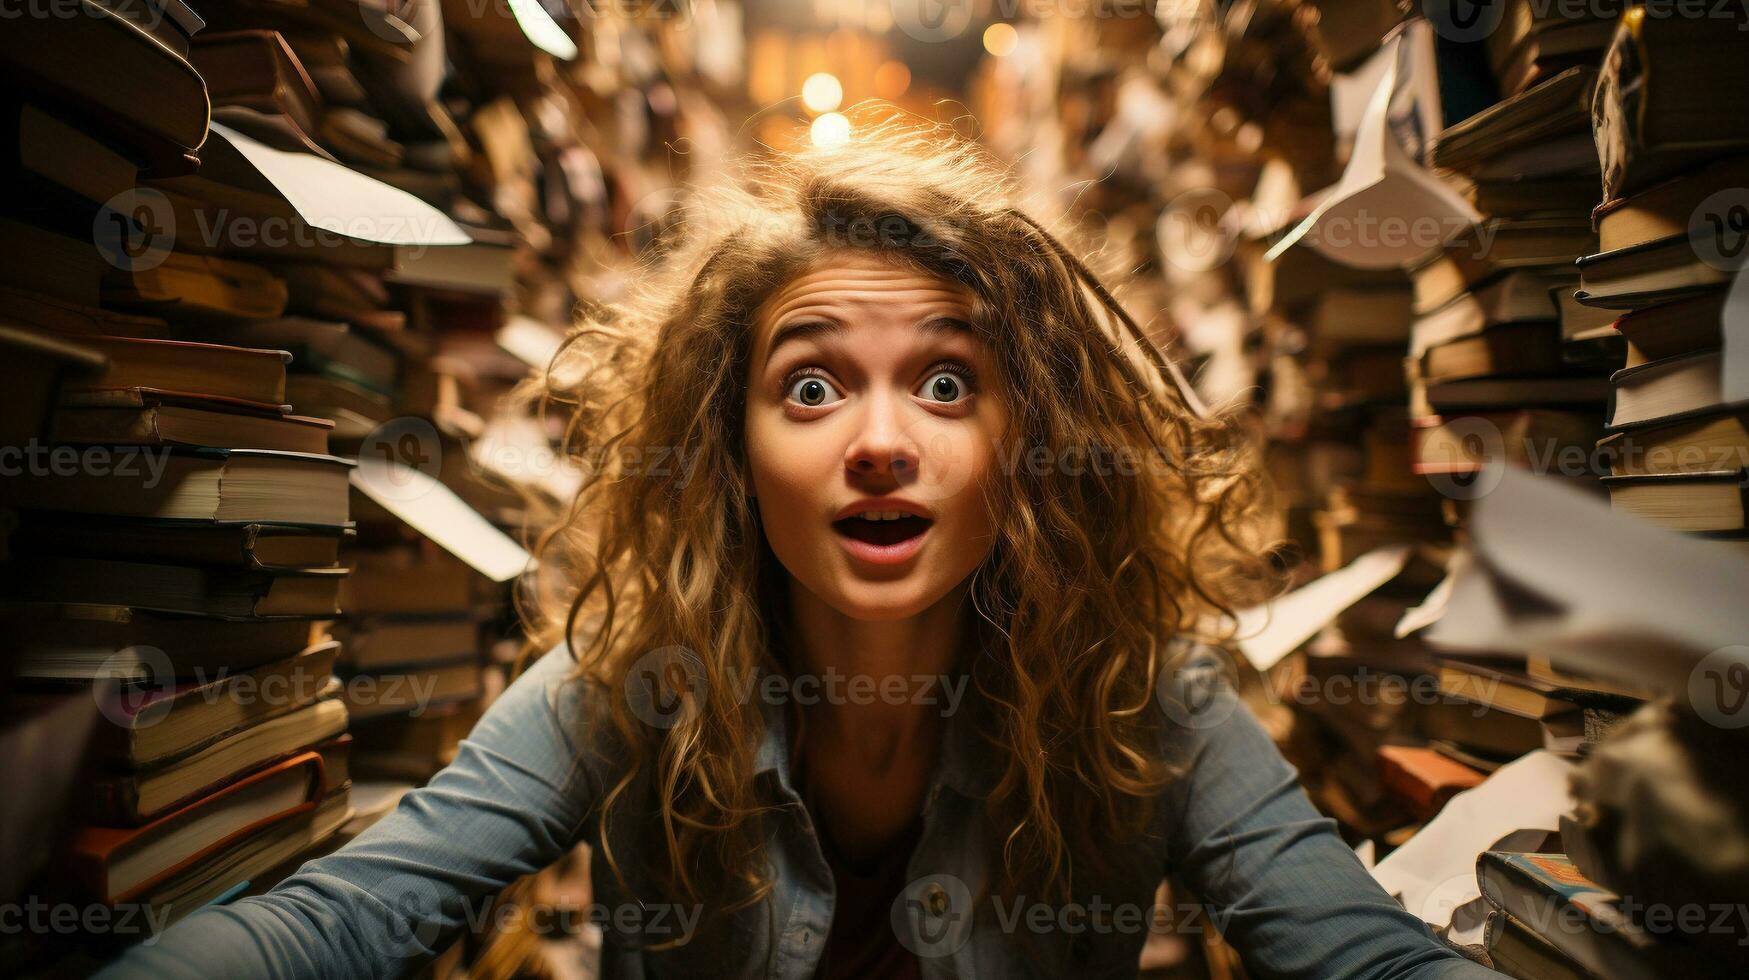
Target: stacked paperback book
(1672, 229)
(221, 288)
(267, 271)
(1474, 673)
(178, 549)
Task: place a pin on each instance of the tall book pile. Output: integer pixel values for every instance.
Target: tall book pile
(1501, 765)
(267, 272)
(1671, 230)
(174, 553)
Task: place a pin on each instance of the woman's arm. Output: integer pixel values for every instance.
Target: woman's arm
(1280, 884)
(510, 804)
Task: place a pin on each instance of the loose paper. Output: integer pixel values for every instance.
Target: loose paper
(1436, 870)
(1273, 630)
(530, 341)
(1386, 211)
(435, 511)
(1434, 606)
(1559, 573)
(327, 195)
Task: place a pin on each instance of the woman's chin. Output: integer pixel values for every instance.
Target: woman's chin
(879, 602)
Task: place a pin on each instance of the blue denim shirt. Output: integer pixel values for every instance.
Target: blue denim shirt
(1277, 880)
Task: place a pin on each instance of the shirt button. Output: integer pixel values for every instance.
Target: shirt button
(935, 899)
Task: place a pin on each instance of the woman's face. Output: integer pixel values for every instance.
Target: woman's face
(868, 395)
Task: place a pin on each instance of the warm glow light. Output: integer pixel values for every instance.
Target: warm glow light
(892, 79)
(821, 92)
(831, 129)
(1001, 39)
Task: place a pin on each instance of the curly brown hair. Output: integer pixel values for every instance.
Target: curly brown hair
(1094, 570)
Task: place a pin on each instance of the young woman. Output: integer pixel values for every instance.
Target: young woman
(876, 635)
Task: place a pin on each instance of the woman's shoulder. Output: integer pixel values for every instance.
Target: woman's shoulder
(550, 693)
(1197, 695)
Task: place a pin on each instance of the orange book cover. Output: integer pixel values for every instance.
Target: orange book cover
(94, 850)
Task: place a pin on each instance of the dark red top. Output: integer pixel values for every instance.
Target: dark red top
(862, 944)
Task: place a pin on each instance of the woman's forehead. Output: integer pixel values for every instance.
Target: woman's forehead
(851, 279)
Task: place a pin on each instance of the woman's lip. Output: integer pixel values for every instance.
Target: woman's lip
(882, 554)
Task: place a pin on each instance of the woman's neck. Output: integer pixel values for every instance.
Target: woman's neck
(879, 680)
(873, 735)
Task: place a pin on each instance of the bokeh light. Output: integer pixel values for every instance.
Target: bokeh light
(831, 129)
(822, 92)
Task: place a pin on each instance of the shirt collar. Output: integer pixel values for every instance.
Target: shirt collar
(962, 767)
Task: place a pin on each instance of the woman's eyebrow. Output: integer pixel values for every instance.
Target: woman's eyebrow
(803, 329)
(945, 324)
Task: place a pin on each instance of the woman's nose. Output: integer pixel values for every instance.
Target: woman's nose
(883, 444)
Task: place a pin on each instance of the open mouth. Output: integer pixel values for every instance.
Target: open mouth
(883, 532)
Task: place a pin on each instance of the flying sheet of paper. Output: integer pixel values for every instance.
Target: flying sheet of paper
(1436, 870)
(1434, 606)
(435, 511)
(1386, 211)
(1272, 631)
(1599, 592)
(327, 195)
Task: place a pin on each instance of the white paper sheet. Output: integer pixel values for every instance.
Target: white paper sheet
(1386, 211)
(327, 195)
(1271, 631)
(1433, 607)
(1436, 870)
(435, 511)
(1608, 594)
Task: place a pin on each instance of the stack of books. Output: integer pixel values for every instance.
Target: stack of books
(1536, 41)
(1510, 349)
(413, 656)
(1503, 365)
(187, 577)
(1334, 336)
(1671, 234)
(213, 215)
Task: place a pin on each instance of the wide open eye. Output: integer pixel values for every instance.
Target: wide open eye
(812, 390)
(947, 384)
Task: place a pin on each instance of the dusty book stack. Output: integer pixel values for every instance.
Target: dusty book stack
(270, 271)
(173, 556)
(1545, 183)
(1671, 230)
